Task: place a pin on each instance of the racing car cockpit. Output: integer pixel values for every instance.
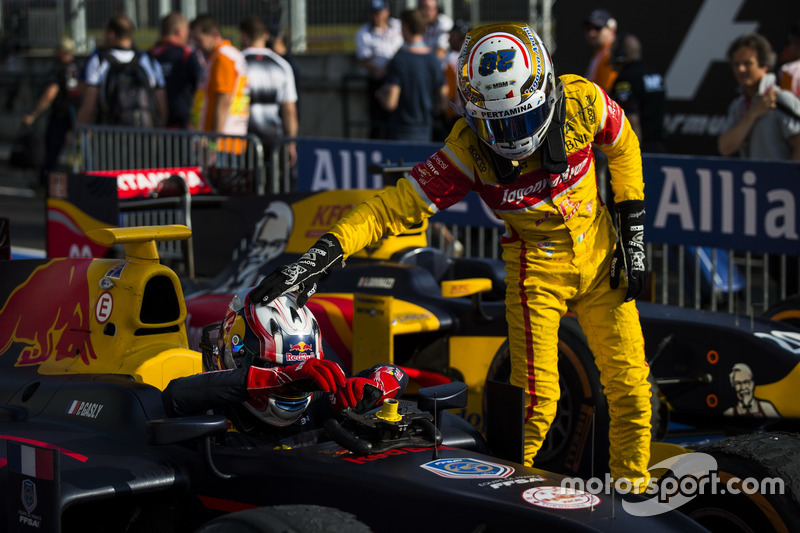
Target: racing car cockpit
(101, 316)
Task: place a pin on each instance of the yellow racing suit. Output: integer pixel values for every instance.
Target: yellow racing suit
(557, 247)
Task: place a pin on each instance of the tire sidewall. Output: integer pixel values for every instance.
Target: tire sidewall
(759, 512)
(283, 518)
(759, 505)
(786, 311)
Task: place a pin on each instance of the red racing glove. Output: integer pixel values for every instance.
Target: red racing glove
(363, 393)
(308, 376)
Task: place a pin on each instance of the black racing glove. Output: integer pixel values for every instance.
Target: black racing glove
(303, 276)
(629, 252)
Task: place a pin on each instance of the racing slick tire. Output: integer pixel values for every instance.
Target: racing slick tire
(659, 419)
(787, 311)
(568, 448)
(286, 519)
(749, 462)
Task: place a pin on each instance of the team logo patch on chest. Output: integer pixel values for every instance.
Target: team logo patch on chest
(519, 195)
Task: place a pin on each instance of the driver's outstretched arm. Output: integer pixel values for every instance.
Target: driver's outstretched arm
(193, 395)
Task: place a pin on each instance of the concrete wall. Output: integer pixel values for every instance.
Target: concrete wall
(325, 103)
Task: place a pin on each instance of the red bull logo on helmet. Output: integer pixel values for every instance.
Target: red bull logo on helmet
(299, 352)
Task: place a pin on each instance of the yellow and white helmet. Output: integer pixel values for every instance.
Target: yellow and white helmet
(507, 85)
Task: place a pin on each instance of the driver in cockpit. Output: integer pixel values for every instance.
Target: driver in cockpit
(266, 372)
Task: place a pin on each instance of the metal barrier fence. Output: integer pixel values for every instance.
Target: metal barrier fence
(745, 283)
(232, 165)
(312, 25)
(703, 278)
(733, 281)
(230, 162)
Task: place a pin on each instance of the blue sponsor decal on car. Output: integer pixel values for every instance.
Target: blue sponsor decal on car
(467, 468)
(116, 271)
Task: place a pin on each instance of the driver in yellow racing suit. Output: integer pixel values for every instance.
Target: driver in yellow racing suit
(525, 146)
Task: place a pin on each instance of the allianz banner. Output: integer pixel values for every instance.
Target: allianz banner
(719, 202)
(327, 164)
(724, 203)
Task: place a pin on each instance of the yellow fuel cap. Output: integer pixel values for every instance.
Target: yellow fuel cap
(389, 411)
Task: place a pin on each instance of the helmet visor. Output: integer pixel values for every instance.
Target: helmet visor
(292, 403)
(512, 129)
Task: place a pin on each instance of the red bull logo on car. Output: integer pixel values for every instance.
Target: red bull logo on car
(38, 325)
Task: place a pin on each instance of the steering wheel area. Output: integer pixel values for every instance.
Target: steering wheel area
(391, 426)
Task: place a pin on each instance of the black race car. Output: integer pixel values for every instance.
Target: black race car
(404, 302)
(86, 345)
(443, 318)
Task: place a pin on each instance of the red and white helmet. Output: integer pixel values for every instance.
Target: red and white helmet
(507, 85)
(277, 334)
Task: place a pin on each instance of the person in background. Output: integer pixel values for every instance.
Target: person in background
(452, 112)
(182, 68)
(600, 29)
(221, 102)
(273, 96)
(377, 42)
(437, 27)
(764, 121)
(601, 32)
(414, 90)
(62, 96)
(639, 91)
(119, 48)
(790, 70)
(280, 44)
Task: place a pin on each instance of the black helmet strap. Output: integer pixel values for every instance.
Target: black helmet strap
(506, 170)
(554, 153)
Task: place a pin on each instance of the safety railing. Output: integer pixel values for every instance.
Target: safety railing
(312, 25)
(741, 282)
(745, 283)
(703, 277)
(227, 160)
(231, 165)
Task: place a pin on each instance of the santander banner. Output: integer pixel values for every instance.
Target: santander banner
(144, 183)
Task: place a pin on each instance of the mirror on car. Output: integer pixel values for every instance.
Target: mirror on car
(448, 396)
(182, 429)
